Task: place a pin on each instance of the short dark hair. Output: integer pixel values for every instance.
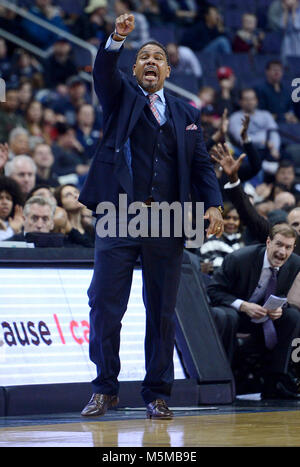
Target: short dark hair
(154, 42)
(285, 163)
(283, 229)
(273, 62)
(242, 91)
(58, 192)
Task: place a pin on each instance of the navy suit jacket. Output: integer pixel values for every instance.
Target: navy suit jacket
(122, 102)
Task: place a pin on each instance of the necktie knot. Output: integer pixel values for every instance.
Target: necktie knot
(153, 98)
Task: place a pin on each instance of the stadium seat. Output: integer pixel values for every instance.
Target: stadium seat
(163, 34)
(184, 80)
(272, 43)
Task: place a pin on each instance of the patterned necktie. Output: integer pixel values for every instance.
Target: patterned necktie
(268, 326)
(153, 98)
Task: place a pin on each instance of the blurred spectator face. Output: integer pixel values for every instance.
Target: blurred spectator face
(77, 91)
(49, 116)
(172, 50)
(61, 51)
(43, 156)
(66, 139)
(25, 93)
(293, 219)
(12, 100)
(24, 60)
(20, 144)
(284, 200)
(24, 175)
(39, 219)
(3, 49)
(69, 198)
(264, 208)
(42, 3)
(86, 115)
(289, 3)
(249, 22)
(44, 193)
(35, 112)
(285, 175)
(212, 17)
(6, 205)
(231, 222)
(274, 73)
(248, 101)
(207, 95)
(120, 8)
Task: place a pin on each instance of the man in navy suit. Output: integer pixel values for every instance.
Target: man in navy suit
(152, 151)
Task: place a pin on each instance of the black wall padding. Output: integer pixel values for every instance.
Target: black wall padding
(72, 397)
(197, 337)
(2, 402)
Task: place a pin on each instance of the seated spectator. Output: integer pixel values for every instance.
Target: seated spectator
(25, 89)
(285, 201)
(284, 17)
(67, 198)
(5, 62)
(44, 159)
(285, 175)
(181, 12)
(238, 293)
(59, 66)
(38, 216)
(76, 96)
(11, 213)
(86, 130)
(151, 9)
(274, 96)
(248, 38)
(35, 33)
(27, 66)
(261, 122)
(183, 59)
(23, 170)
(49, 121)
(11, 22)
(43, 190)
(9, 117)
(92, 25)
(227, 96)
(33, 118)
(214, 250)
(68, 153)
(208, 35)
(140, 34)
(18, 141)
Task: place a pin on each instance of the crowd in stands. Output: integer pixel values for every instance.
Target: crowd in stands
(50, 125)
(237, 58)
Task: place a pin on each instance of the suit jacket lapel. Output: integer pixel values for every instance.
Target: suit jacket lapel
(255, 272)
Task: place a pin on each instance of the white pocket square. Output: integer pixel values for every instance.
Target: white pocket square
(192, 126)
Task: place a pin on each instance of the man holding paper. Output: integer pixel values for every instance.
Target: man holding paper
(240, 293)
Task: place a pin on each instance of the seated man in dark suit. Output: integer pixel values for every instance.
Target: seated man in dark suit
(238, 293)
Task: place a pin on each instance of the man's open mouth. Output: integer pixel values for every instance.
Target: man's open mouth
(150, 73)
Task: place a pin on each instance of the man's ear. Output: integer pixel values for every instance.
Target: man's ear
(133, 70)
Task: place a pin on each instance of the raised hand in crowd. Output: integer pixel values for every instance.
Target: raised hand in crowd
(220, 135)
(222, 155)
(244, 129)
(16, 222)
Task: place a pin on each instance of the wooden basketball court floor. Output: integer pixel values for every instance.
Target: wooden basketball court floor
(245, 423)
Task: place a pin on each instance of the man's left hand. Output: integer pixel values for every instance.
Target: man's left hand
(275, 314)
(216, 222)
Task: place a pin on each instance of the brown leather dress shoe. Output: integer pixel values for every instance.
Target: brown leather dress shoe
(158, 409)
(99, 404)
